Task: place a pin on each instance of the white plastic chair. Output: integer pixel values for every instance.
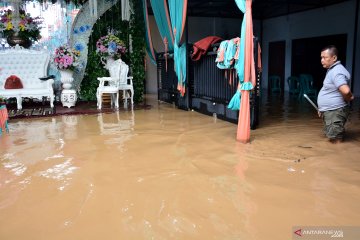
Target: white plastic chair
(113, 84)
(126, 84)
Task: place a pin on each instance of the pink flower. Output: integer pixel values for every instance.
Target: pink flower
(102, 48)
(67, 60)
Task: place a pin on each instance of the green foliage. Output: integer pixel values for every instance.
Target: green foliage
(94, 67)
(137, 57)
(90, 83)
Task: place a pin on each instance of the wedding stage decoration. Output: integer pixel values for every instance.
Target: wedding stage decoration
(110, 46)
(19, 27)
(30, 66)
(66, 61)
(66, 58)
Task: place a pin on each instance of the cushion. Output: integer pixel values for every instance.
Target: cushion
(13, 82)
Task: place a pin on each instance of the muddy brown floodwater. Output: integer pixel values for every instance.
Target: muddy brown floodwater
(165, 173)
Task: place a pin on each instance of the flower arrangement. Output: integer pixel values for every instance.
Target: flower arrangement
(26, 26)
(66, 57)
(110, 46)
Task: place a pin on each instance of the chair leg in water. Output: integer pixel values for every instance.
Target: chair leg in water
(99, 100)
(117, 100)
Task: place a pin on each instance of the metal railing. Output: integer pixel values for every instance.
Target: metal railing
(208, 89)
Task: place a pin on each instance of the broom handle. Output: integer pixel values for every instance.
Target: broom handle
(311, 102)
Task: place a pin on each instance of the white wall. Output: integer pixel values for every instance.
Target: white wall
(334, 19)
(150, 74)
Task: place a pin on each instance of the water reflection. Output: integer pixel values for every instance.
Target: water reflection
(285, 107)
(70, 125)
(36, 149)
(176, 175)
(117, 129)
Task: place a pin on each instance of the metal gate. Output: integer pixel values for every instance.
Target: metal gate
(208, 89)
(167, 83)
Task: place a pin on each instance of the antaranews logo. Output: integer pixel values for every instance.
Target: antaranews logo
(325, 232)
(298, 232)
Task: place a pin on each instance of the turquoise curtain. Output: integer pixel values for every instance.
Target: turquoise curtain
(234, 103)
(148, 39)
(161, 15)
(178, 11)
(240, 64)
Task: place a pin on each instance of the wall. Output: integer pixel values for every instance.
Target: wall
(356, 77)
(334, 19)
(200, 27)
(151, 75)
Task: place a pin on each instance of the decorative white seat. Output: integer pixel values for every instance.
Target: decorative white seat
(29, 66)
(117, 81)
(126, 84)
(113, 85)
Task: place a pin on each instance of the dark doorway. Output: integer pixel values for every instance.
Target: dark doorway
(277, 64)
(306, 55)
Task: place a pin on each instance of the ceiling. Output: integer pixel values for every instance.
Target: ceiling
(262, 9)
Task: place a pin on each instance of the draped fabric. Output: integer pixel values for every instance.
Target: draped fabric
(246, 70)
(3, 119)
(162, 19)
(228, 53)
(201, 47)
(93, 8)
(125, 10)
(240, 64)
(178, 11)
(148, 39)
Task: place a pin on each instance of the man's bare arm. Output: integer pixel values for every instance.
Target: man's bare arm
(346, 92)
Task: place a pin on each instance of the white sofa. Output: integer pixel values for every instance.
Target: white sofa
(29, 66)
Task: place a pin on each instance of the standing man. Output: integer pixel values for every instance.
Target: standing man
(335, 95)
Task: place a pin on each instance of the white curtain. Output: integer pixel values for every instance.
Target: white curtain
(125, 10)
(93, 8)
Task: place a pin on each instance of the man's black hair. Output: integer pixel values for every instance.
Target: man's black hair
(332, 49)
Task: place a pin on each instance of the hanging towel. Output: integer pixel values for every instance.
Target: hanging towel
(227, 53)
(201, 47)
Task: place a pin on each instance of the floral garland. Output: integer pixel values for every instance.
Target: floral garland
(66, 58)
(27, 27)
(110, 46)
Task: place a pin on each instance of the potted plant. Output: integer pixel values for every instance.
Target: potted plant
(110, 47)
(66, 58)
(66, 61)
(20, 29)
